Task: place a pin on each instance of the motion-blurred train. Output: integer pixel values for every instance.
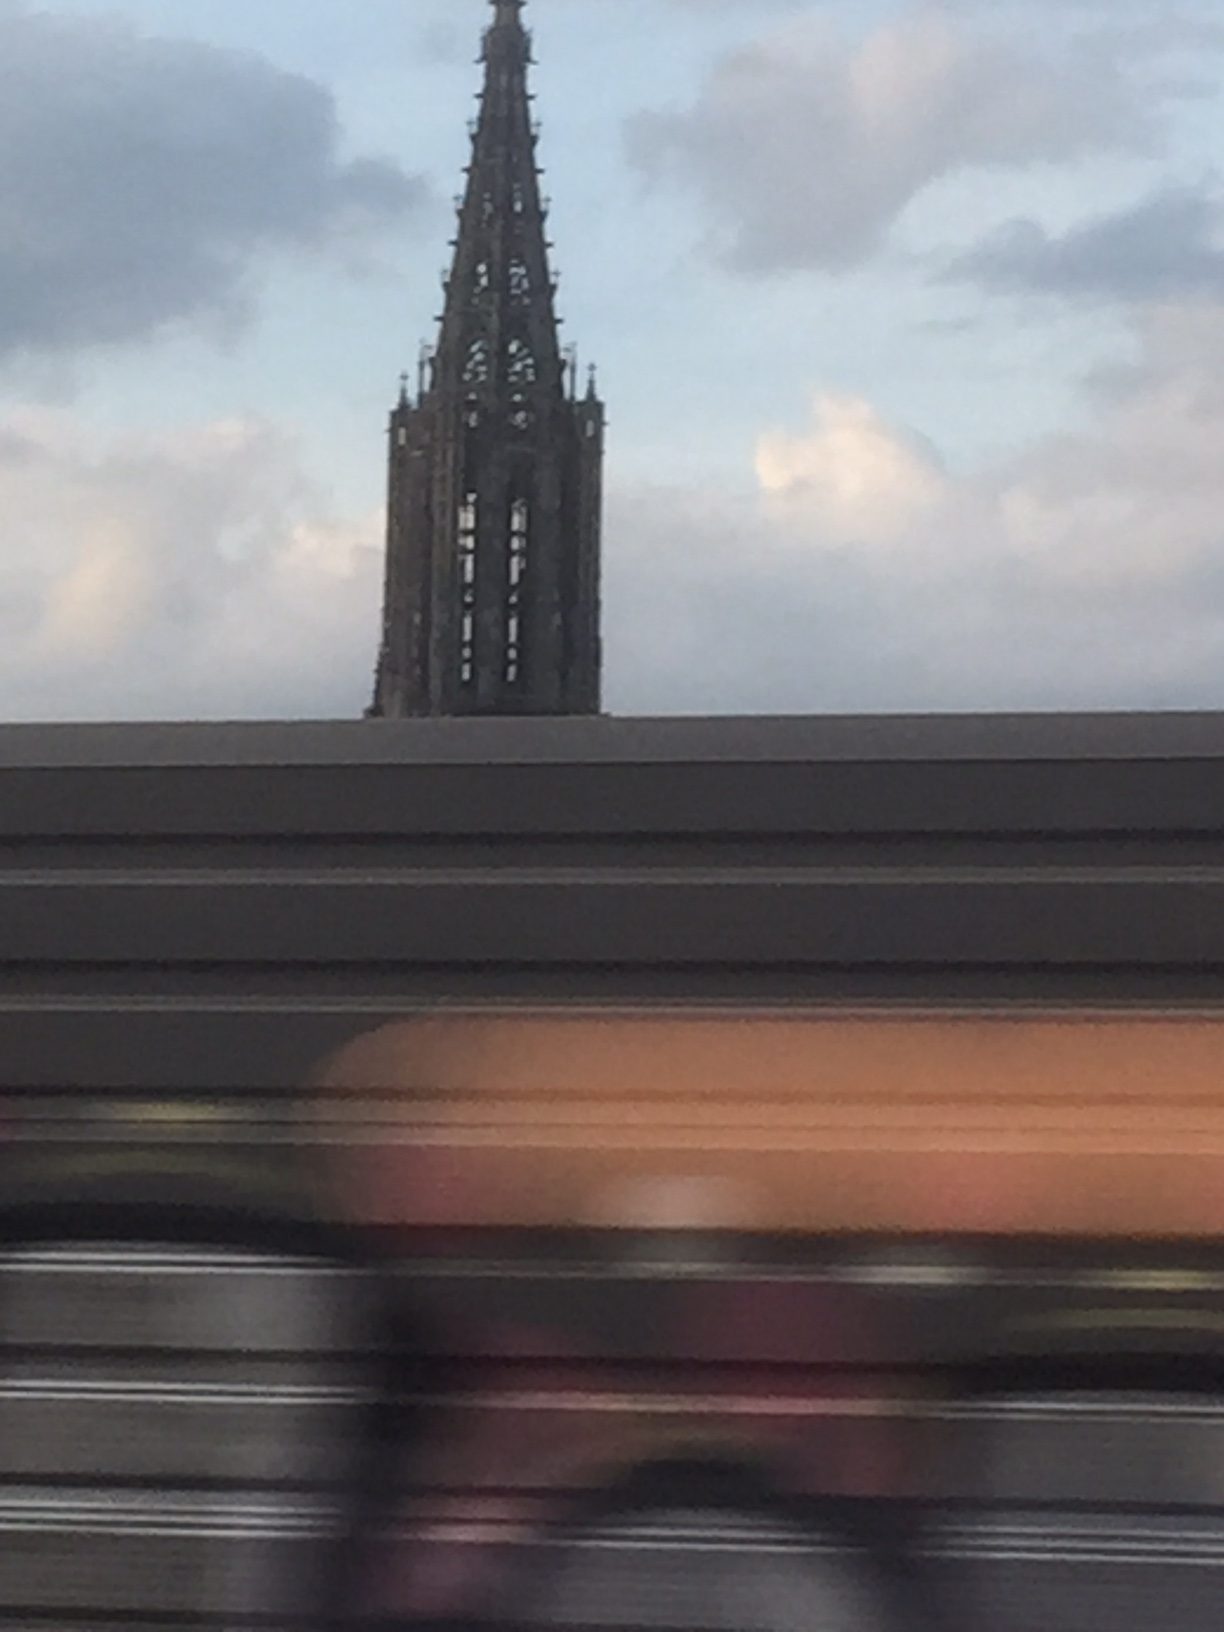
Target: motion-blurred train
(703, 1176)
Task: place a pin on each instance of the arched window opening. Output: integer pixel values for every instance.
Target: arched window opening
(481, 281)
(476, 364)
(468, 518)
(520, 280)
(520, 522)
(520, 363)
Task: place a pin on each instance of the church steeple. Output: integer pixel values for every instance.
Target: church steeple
(493, 582)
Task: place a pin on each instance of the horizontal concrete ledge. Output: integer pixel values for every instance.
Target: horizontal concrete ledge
(604, 741)
(604, 921)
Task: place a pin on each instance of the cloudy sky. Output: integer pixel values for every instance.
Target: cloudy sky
(910, 318)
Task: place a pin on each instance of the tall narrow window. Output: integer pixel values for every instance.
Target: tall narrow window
(520, 363)
(515, 586)
(467, 589)
(476, 363)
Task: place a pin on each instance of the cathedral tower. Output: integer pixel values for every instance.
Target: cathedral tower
(493, 544)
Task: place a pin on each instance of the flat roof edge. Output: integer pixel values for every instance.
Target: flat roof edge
(610, 741)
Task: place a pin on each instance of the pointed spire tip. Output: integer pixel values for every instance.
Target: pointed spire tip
(507, 30)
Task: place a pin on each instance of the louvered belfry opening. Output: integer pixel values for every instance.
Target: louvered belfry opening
(492, 601)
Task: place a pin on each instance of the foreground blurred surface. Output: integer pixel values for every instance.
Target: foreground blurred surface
(915, 1321)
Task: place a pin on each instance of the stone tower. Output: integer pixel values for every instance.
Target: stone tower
(492, 598)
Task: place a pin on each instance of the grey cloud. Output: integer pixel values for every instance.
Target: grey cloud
(1163, 248)
(829, 637)
(824, 633)
(193, 575)
(804, 151)
(1086, 572)
(140, 179)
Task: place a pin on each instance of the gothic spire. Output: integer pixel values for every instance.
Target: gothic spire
(495, 504)
(500, 293)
